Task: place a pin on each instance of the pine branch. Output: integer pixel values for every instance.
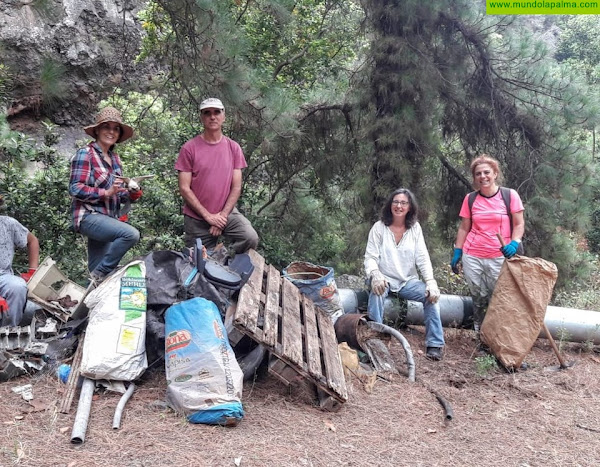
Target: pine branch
(454, 171)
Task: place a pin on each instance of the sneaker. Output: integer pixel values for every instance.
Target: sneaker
(434, 353)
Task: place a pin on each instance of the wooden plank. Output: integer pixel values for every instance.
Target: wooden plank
(291, 331)
(233, 334)
(284, 372)
(271, 325)
(249, 297)
(331, 355)
(313, 349)
(327, 402)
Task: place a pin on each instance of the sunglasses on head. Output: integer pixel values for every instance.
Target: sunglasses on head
(212, 112)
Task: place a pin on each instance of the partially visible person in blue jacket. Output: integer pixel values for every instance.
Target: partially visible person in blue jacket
(395, 251)
(13, 289)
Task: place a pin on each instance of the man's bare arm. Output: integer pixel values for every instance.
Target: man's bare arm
(234, 194)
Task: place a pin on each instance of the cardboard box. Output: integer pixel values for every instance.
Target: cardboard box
(48, 285)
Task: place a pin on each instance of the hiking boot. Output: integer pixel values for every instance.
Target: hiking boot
(96, 278)
(483, 350)
(434, 353)
(522, 367)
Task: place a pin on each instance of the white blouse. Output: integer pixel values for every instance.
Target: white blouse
(397, 261)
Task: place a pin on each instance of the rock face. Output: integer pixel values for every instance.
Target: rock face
(66, 54)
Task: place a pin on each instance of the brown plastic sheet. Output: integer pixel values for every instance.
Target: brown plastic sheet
(517, 309)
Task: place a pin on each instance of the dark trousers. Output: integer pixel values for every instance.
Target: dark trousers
(238, 232)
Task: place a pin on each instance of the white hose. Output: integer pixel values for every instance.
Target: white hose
(121, 405)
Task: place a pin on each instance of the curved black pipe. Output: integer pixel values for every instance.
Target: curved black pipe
(445, 404)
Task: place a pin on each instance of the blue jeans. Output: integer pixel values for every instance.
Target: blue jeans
(108, 241)
(14, 290)
(413, 290)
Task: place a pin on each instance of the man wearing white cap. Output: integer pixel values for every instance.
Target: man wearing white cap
(210, 182)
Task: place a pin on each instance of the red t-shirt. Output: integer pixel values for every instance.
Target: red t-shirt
(488, 217)
(211, 166)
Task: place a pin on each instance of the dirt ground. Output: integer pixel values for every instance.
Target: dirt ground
(529, 418)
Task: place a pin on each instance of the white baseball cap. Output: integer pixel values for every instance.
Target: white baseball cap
(212, 103)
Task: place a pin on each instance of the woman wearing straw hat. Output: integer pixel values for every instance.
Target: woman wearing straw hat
(98, 192)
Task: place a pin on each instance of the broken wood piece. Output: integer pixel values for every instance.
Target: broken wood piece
(380, 358)
(67, 400)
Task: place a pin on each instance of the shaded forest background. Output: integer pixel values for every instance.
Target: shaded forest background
(335, 103)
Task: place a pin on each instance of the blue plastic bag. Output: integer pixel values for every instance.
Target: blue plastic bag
(204, 380)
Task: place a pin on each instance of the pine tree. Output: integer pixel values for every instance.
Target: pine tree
(450, 83)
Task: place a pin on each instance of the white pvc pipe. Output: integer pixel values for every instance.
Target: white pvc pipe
(572, 325)
(567, 324)
(83, 411)
(454, 311)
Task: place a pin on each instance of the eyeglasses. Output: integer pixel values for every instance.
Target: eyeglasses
(208, 113)
(400, 203)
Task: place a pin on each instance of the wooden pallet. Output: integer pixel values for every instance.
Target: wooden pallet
(299, 335)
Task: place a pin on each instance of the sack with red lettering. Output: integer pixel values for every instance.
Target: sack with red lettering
(318, 284)
(204, 380)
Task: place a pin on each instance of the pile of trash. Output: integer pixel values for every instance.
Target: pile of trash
(167, 308)
(42, 340)
(122, 325)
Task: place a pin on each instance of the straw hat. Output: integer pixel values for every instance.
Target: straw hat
(110, 114)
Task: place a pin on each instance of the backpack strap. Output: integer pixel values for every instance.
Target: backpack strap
(472, 197)
(505, 192)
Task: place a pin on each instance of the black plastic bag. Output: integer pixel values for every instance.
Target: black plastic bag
(170, 279)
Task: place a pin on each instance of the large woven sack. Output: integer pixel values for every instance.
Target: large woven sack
(517, 309)
(115, 340)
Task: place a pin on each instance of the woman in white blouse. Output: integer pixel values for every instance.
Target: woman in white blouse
(395, 251)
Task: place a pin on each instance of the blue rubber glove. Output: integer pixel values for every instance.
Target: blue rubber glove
(455, 259)
(510, 250)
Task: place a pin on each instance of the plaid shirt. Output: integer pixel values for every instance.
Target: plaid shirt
(91, 177)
